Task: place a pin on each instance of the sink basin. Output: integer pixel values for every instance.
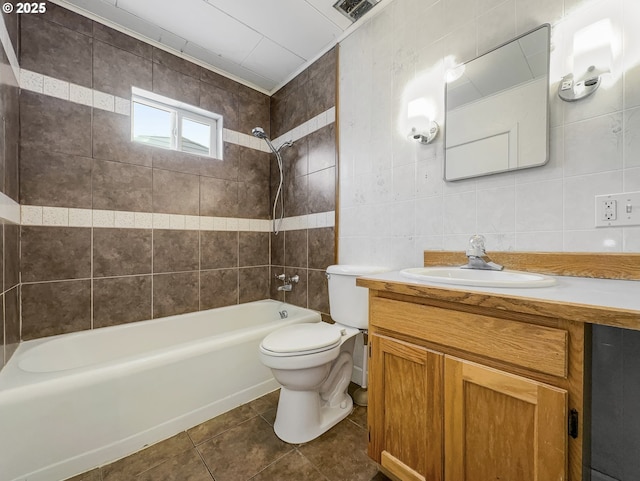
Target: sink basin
(477, 277)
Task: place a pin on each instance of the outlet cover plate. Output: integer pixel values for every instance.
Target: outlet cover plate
(618, 210)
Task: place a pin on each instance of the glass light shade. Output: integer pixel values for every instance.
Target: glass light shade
(592, 46)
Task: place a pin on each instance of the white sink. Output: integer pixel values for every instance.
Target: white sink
(477, 277)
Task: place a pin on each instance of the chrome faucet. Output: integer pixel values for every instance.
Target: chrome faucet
(477, 255)
(288, 281)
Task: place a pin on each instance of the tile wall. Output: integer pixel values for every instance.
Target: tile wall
(115, 232)
(393, 201)
(9, 228)
(310, 182)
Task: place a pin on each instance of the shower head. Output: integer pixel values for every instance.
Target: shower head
(259, 132)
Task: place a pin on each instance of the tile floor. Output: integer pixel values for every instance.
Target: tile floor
(240, 445)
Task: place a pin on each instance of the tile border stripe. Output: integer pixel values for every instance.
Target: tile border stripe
(32, 215)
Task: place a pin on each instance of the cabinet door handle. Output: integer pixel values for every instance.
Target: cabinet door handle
(573, 423)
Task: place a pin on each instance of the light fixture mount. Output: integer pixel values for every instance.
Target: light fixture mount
(425, 136)
(570, 90)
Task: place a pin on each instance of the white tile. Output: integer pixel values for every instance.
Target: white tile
(58, 216)
(312, 220)
(30, 215)
(496, 210)
(244, 140)
(428, 216)
(206, 223)
(632, 138)
(122, 106)
(220, 223)
(103, 101)
(161, 221)
(31, 81)
(322, 119)
(244, 225)
(231, 136)
(255, 143)
(331, 115)
(331, 219)
(143, 220)
(81, 95)
(80, 218)
(192, 222)
(539, 206)
(594, 240)
(579, 197)
(312, 125)
(460, 213)
(56, 88)
(103, 218)
(539, 241)
(232, 224)
(176, 221)
(124, 219)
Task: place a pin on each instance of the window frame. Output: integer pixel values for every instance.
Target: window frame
(179, 111)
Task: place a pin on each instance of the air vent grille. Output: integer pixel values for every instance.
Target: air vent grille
(354, 9)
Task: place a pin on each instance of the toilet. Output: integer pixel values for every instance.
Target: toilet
(313, 361)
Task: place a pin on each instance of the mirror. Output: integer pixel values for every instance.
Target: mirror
(497, 109)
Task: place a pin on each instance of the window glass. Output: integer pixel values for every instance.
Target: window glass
(196, 137)
(152, 126)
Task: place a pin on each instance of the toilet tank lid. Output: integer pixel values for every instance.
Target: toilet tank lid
(354, 270)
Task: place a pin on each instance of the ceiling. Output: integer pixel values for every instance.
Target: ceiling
(261, 43)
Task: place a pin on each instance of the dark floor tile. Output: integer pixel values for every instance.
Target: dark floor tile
(328, 453)
(93, 475)
(270, 416)
(126, 469)
(265, 403)
(213, 427)
(119, 300)
(186, 466)
(243, 451)
(291, 467)
(359, 416)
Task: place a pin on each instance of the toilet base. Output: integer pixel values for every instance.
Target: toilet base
(303, 415)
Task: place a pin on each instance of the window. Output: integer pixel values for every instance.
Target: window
(170, 124)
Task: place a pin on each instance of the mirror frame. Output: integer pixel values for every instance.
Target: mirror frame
(548, 107)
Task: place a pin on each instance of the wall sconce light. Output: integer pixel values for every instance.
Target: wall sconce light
(423, 129)
(592, 57)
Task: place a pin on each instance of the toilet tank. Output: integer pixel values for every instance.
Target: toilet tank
(348, 303)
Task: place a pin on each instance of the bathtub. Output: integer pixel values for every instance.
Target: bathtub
(72, 402)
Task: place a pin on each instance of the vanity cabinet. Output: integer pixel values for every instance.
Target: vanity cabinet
(465, 393)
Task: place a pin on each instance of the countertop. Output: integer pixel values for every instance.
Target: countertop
(610, 302)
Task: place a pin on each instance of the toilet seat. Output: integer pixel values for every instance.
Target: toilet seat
(302, 339)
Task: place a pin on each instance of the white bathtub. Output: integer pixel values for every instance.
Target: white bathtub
(73, 402)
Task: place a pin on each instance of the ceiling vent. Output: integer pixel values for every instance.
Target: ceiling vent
(354, 9)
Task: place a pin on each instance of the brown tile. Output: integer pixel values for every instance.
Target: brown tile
(322, 190)
(277, 248)
(220, 101)
(121, 40)
(56, 180)
(219, 80)
(121, 252)
(178, 64)
(119, 300)
(211, 428)
(11, 321)
(295, 196)
(115, 71)
(218, 288)
(112, 140)
(128, 468)
(254, 200)
(51, 308)
(218, 249)
(218, 197)
(176, 193)
(270, 416)
(253, 165)
(93, 475)
(175, 293)
(69, 19)
(359, 416)
(11, 255)
(254, 284)
(321, 94)
(291, 467)
(175, 161)
(322, 148)
(61, 126)
(253, 110)
(11, 21)
(118, 186)
(175, 250)
(53, 253)
(253, 249)
(51, 49)
(325, 66)
(226, 454)
(321, 247)
(294, 159)
(337, 463)
(295, 248)
(176, 85)
(318, 291)
(186, 466)
(274, 283)
(298, 294)
(265, 403)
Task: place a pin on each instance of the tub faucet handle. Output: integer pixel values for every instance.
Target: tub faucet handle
(281, 277)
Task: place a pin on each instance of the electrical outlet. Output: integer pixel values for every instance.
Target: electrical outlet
(613, 210)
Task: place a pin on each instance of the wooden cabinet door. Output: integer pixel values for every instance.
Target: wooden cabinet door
(499, 426)
(405, 409)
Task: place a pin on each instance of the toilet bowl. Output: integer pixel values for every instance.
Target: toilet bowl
(313, 362)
